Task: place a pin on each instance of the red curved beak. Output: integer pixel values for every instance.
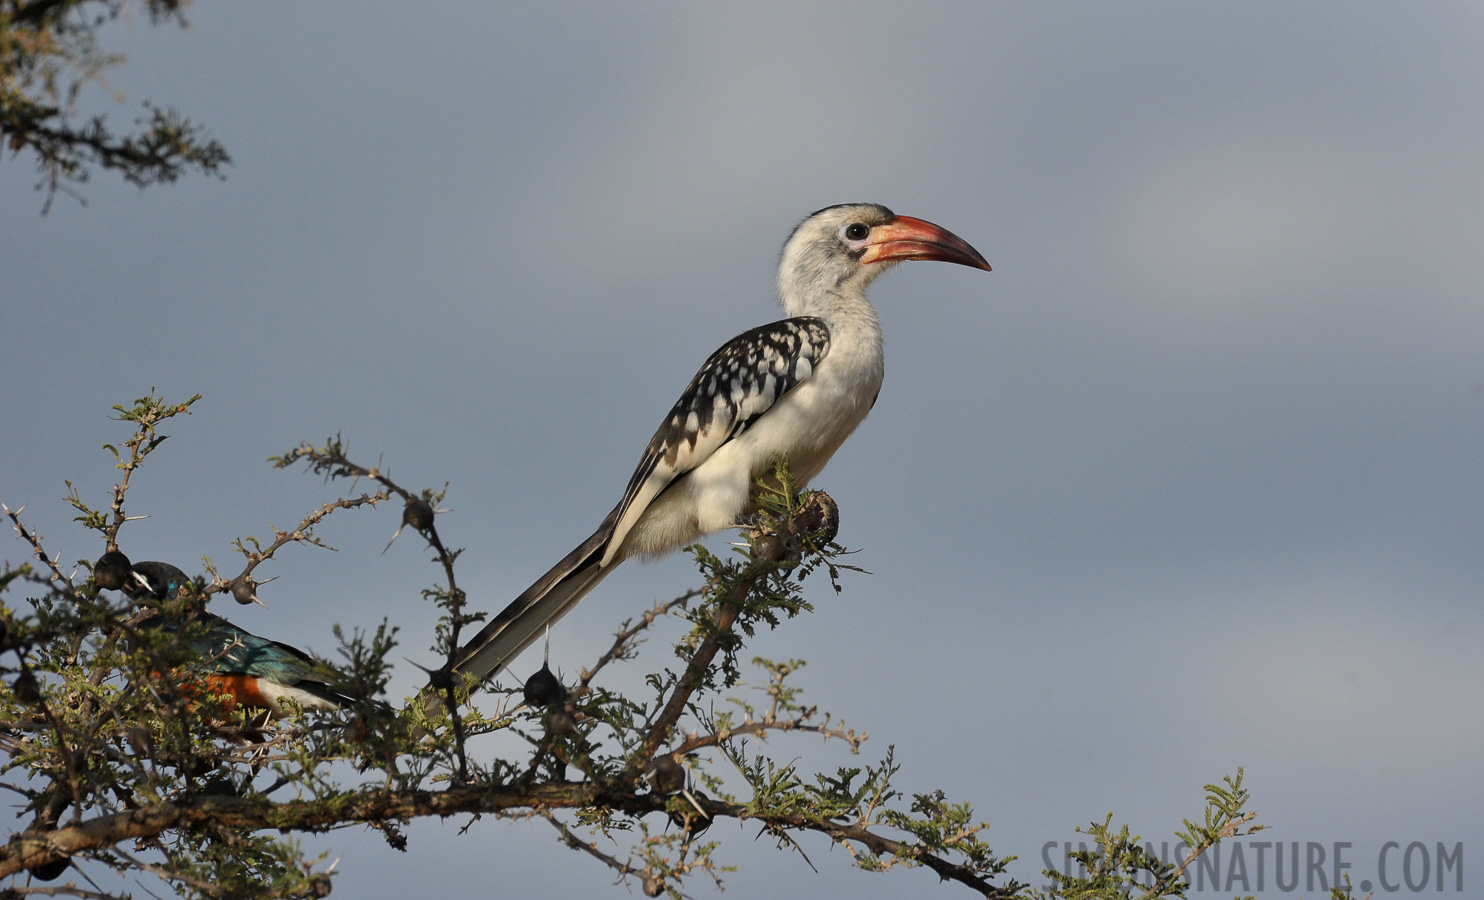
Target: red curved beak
(908, 238)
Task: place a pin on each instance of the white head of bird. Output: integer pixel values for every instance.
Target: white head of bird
(836, 252)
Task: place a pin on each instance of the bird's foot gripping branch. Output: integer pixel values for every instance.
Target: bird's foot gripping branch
(139, 753)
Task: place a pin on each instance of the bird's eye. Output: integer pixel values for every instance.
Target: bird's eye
(855, 231)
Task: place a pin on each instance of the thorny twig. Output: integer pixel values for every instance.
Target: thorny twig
(332, 461)
(767, 725)
(148, 412)
(623, 641)
(32, 538)
(302, 533)
(588, 847)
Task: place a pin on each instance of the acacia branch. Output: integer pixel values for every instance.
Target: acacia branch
(69, 889)
(588, 847)
(303, 533)
(31, 849)
(147, 413)
(768, 549)
(623, 641)
(31, 538)
(1226, 831)
(762, 727)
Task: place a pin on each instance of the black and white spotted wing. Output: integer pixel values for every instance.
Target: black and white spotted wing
(736, 385)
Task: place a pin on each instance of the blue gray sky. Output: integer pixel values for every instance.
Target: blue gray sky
(1191, 481)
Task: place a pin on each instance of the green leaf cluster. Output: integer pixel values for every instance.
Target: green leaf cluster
(49, 53)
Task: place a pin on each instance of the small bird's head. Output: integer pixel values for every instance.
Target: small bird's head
(113, 571)
(841, 249)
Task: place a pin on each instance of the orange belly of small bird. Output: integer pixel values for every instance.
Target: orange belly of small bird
(239, 691)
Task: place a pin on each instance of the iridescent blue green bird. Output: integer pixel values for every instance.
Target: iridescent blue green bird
(249, 670)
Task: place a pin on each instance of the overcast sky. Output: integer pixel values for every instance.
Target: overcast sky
(1193, 480)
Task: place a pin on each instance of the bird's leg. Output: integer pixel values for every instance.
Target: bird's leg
(750, 520)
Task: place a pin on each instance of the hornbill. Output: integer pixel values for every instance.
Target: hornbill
(252, 671)
(795, 388)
